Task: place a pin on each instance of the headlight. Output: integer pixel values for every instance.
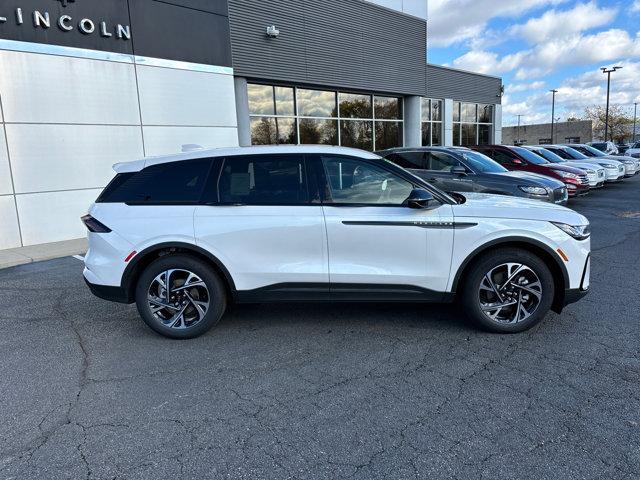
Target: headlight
(589, 171)
(533, 190)
(567, 174)
(579, 232)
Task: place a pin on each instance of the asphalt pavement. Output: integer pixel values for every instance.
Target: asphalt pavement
(326, 391)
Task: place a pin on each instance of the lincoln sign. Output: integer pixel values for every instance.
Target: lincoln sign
(87, 26)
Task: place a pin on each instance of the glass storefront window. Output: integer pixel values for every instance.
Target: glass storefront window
(426, 134)
(456, 111)
(473, 126)
(273, 131)
(388, 108)
(388, 135)
(285, 104)
(468, 112)
(316, 103)
(355, 106)
(469, 132)
(318, 132)
(456, 135)
(426, 109)
(356, 134)
(431, 122)
(485, 113)
(261, 100)
(484, 134)
(436, 133)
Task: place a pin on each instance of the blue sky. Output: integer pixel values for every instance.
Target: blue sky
(537, 45)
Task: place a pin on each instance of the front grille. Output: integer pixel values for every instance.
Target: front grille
(584, 180)
(560, 194)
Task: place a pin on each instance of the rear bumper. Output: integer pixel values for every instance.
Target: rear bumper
(572, 295)
(107, 292)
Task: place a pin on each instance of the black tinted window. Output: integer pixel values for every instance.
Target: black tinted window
(408, 159)
(174, 182)
(442, 162)
(263, 180)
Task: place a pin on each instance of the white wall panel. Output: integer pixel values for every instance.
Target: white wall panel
(66, 157)
(54, 217)
(5, 173)
(9, 232)
(181, 97)
(53, 89)
(165, 140)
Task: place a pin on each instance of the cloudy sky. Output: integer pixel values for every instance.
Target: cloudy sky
(537, 45)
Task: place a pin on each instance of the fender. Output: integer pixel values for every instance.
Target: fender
(506, 241)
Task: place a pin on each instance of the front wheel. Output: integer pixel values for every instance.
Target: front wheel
(180, 297)
(508, 291)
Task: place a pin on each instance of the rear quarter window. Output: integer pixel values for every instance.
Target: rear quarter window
(167, 183)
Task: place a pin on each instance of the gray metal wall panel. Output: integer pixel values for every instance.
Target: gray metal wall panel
(348, 44)
(459, 85)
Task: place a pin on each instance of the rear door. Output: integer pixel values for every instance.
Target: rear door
(265, 223)
(374, 239)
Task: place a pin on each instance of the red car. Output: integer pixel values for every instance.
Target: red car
(518, 158)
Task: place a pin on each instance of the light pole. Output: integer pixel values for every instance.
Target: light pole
(518, 139)
(606, 116)
(635, 111)
(553, 111)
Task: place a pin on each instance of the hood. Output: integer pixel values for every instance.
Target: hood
(599, 160)
(530, 177)
(502, 206)
(620, 158)
(582, 165)
(565, 168)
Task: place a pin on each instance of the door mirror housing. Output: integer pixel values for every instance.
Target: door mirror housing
(459, 170)
(419, 198)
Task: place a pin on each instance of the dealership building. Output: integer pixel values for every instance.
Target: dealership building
(85, 84)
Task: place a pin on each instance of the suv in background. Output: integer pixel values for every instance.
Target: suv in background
(614, 169)
(634, 150)
(183, 236)
(596, 174)
(606, 147)
(459, 169)
(521, 159)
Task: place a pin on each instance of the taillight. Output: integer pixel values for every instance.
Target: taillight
(94, 225)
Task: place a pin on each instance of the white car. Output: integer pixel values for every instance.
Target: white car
(631, 165)
(595, 173)
(608, 148)
(614, 170)
(185, 235)
(634, 151)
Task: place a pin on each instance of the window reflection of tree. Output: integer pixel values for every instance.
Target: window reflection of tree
(322, 132)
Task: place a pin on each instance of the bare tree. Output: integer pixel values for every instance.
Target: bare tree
(619, 122)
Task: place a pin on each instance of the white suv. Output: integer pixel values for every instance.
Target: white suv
(185, 235)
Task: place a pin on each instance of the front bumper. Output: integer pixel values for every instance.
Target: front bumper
(577, 190)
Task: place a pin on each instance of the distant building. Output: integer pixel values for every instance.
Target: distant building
(563, 132)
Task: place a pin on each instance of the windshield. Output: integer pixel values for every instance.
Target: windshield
(591, 152)
(548, 155)
(482, 164)
(573, 153)
(529, 156)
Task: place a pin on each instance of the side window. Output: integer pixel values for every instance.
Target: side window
(263, 180)
(409, 159)
(503, 158)
(353, 181)
(178, 183)
(441, 162)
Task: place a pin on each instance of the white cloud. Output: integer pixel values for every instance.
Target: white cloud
(523, 87)
(452, 21)
(558, 24)
(636, 6)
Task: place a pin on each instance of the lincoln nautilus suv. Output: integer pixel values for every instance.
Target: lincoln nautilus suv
(184, 236)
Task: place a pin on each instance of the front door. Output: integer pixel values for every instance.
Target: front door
(373, 238)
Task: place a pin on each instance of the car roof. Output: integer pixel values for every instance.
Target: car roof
(139, 164)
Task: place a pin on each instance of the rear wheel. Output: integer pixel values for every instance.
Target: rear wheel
(179, 296)
(508, 291)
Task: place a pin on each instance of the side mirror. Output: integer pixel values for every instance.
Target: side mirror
(419, 198)
(459, 170)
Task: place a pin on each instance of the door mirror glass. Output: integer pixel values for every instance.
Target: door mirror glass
(419, 198)
(459, 170)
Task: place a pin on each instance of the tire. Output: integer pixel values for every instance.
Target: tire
(485, 291)
(201, 306)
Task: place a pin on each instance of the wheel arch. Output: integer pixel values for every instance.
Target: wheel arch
(558, 269)
(148, 255)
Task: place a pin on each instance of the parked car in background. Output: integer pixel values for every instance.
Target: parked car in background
(614, 169)
(631, 165)
(634, 150)
(596, 174)
(521, 159)
(607, 147)
(622, 148)
(183, 236)
(459, 169)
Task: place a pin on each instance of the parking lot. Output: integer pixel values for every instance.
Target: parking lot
(315, 391)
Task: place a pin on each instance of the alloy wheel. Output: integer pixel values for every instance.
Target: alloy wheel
(178, 298)
(510, 293)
